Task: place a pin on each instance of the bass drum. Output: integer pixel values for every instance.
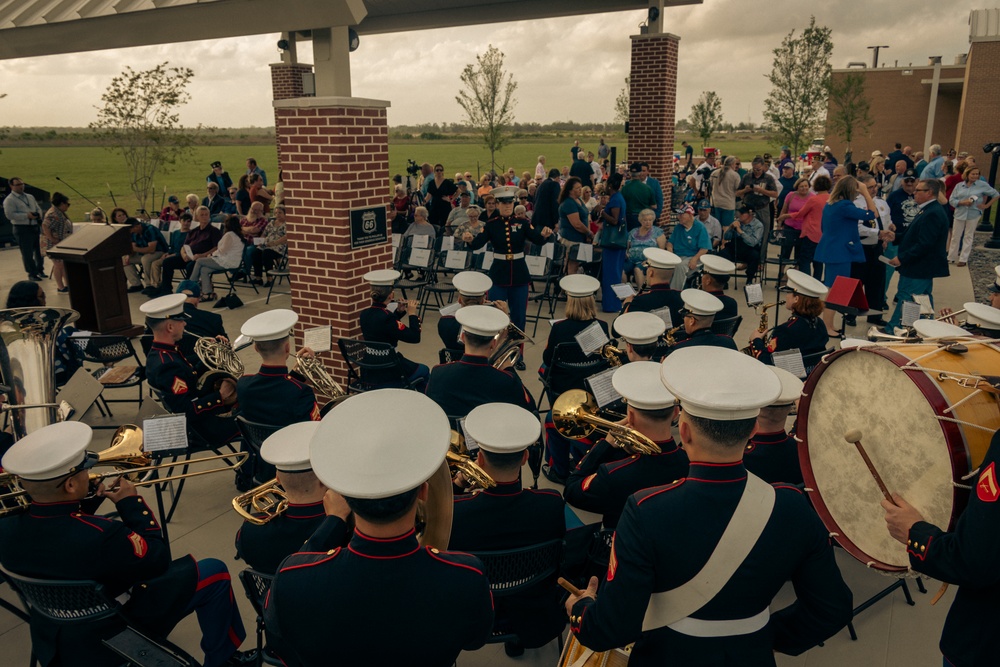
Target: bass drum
(576, 654)
(923, 430)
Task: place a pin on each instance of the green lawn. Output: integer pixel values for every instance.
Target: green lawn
(92, 169)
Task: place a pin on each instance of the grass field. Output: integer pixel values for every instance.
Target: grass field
(92, 169)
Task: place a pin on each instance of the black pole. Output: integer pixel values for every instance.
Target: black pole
(994, 241)
(75, 190)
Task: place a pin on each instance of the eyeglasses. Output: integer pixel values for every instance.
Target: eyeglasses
(921, 190)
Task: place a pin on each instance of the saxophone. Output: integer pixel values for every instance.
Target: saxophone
(669, 338)
(762, 325)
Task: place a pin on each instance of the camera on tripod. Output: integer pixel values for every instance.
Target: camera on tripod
(412, 168)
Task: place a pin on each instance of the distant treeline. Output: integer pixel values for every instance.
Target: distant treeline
(83, 136)
(461, 131)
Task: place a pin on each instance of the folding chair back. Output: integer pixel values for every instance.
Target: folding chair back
(371, 365)
(254, 434)
(728, 326)
(569, 370)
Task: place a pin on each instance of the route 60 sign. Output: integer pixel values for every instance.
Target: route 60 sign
(368, 226)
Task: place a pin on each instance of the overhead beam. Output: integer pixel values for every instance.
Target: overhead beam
(183, 23)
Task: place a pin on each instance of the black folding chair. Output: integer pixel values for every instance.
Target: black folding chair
(86, 604)
(256, 585)
(568, 370)
(254, 434)
(367, 360)
(728, 326)
(516, 571)
(109, 351)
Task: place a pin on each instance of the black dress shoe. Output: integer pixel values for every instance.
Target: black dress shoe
(877, 320)
(850, 320)
(41, 275)
(513, 649)
(552, 475)
(519, 366)
(134, 288)
(244, 658)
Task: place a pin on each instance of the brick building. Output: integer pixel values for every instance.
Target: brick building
(954, 105)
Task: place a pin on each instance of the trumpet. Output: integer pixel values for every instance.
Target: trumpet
(262, 504)
(508, 349)
(575, 415)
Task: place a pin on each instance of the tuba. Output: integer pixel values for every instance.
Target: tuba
(508, 349)
(574, 414)
(28, 366)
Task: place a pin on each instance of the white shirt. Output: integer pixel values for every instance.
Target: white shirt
(816, 172)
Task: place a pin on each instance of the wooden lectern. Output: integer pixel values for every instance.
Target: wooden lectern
(96, 277)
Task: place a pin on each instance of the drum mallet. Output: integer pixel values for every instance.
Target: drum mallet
(573, 590)
(855, 437)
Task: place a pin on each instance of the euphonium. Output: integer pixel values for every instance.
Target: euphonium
(459, 460)
(261, 504)
(574, 414)
(508, 348)
(762, 327)
(313, 370)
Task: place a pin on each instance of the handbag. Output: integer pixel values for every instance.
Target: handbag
(614, 236)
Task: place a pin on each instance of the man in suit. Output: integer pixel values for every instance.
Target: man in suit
(546, 206)
(923, 252)
(655, 186)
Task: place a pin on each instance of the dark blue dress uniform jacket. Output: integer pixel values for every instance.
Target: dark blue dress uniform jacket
(58, 541)
(380, 326)
(463, 385)
(377, 602)
(805, 334)
(774, 457)
(276, 397)
(263, 547)
(969, 557)
(507, 235)
(507, 517)
(605, 478)
(656, 297)
(703, 337)
(664, 538)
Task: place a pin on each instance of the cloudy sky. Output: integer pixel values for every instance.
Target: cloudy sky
(566, 69)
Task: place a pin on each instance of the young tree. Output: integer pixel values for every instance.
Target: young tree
(622, 103)
(706, 115)
(487, 97)
(851, 108)
(139, 119)
(800, 79)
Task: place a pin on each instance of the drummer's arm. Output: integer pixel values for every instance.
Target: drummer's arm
(824, 602)
(615, 619)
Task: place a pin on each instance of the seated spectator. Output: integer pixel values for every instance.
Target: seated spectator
(473, 224)
(274, 246)
(242, 196)
(119, 216)
(148, 245)
(229, 207)
(259, 193)
(689, 241)
(489, 208)
(172, 210)
(228, 255)
(174, 246)
(711, 223)
(642, 237)
(524, 199)
(193, 202)
(253, 224)
(215, 202)
(420, 226)
(201, 241)
(458, 214)
(98, 216)
(741, 240)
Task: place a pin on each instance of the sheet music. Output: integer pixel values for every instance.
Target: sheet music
(161, 434)
(664, 314)
(396, 240)
(548, 250)
(455, 259)
(447, 243)
(536, 264)
(318, 339)
(592, 338)
(623, 290)
(600, 386)
(755, 295)
(450, 309)
(585, 253)
(911, 313)
(470, 443)
(487, 261)
(552, 323)
(420, 256)
(791, 361)
(420, 241)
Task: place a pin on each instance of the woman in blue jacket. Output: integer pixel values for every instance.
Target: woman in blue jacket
(840, 244)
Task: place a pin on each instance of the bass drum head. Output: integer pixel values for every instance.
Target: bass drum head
(865, 389)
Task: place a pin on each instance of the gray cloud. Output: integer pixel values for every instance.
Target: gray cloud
(569, 68)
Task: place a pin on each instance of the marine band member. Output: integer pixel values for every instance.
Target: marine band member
(57, 539)
(772, 454)
(660, 266)
(667, 534)
(378, 449)
(700, 309)
(472, 288)
(715, 275)
(380, 325)
(642, 333)
(805, 329)
(264, 546)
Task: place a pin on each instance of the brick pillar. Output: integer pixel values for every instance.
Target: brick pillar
(335, 157)
(652, 102)
(980, 101)
(286, 84)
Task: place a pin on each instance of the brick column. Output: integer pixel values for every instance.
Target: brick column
(335, 157)
(980, 101)
(286, 84)
(652, 102)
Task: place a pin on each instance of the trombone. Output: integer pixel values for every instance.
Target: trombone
(574, 414)
(130, 461)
